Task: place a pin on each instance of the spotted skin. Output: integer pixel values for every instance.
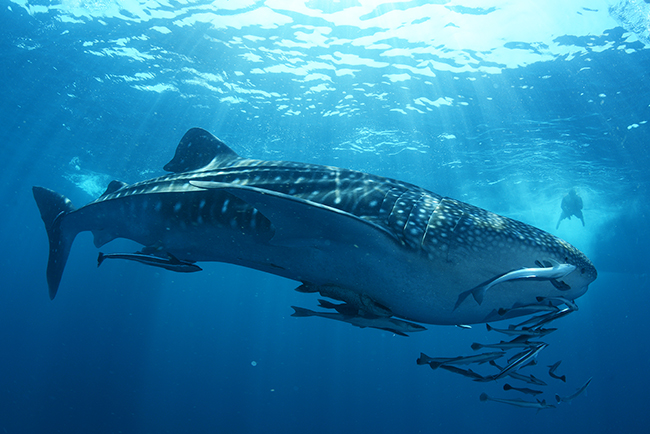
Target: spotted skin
(380, 244)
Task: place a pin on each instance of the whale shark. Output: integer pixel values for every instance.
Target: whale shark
(385, 247)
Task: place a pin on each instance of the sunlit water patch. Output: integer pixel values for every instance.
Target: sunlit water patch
(343, 58)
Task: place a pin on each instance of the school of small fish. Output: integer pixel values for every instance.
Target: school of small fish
(525, 344)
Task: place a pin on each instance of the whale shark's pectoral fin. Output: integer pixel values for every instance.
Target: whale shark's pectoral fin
(299, 222)
(560, 285)
(102, 237)
(461, 298)
(478, 292)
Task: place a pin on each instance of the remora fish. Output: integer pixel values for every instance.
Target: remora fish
(540, 320)
(530, 379)
(551, 371)
(464, 372)
(557, 271)
(524, 332)
(171, 263)
(384, 246)
(344, 308)
(539, 405)
(525, 390)
(504, 345)
(520, 361)
(436, 362)
(569, 303)
(518, 342)
(530, 308)
(393, 325)
(559, 399)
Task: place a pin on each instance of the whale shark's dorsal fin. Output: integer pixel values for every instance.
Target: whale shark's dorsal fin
(197, 149)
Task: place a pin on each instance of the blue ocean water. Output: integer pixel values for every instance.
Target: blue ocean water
(505, 105)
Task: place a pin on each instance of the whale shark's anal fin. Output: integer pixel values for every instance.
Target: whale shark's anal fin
(54, 207)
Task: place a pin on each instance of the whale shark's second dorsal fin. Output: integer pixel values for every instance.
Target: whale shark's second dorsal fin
(197, 149)
(113, 187)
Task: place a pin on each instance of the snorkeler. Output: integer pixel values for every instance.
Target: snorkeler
(571, 206)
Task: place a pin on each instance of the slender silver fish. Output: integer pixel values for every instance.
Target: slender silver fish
(532, 308)
(464, 372)
(525, 390)
(525, 332)
(551, 371)
(530, 379)
(540, 320)
(539, 405)
(393, 325)
(520, 361)
(569, 303)
(170, 263)
(342, 308)
(503, 345)
(436, 362)
(521, 353)
(557, 271)
(548, 318)
(532, 320)
(571, 397)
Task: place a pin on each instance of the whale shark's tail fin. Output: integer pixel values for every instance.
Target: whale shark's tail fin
(54, 207)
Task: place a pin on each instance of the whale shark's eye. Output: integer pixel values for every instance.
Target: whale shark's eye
(583, 271)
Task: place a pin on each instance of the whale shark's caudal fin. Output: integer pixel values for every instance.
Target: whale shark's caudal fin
(54, 207)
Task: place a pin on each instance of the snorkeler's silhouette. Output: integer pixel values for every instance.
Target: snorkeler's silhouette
(571, 206)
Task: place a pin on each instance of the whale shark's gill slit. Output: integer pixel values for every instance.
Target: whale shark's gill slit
(444, 219)
(388, 204)
(418, 222)
(401, 212)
